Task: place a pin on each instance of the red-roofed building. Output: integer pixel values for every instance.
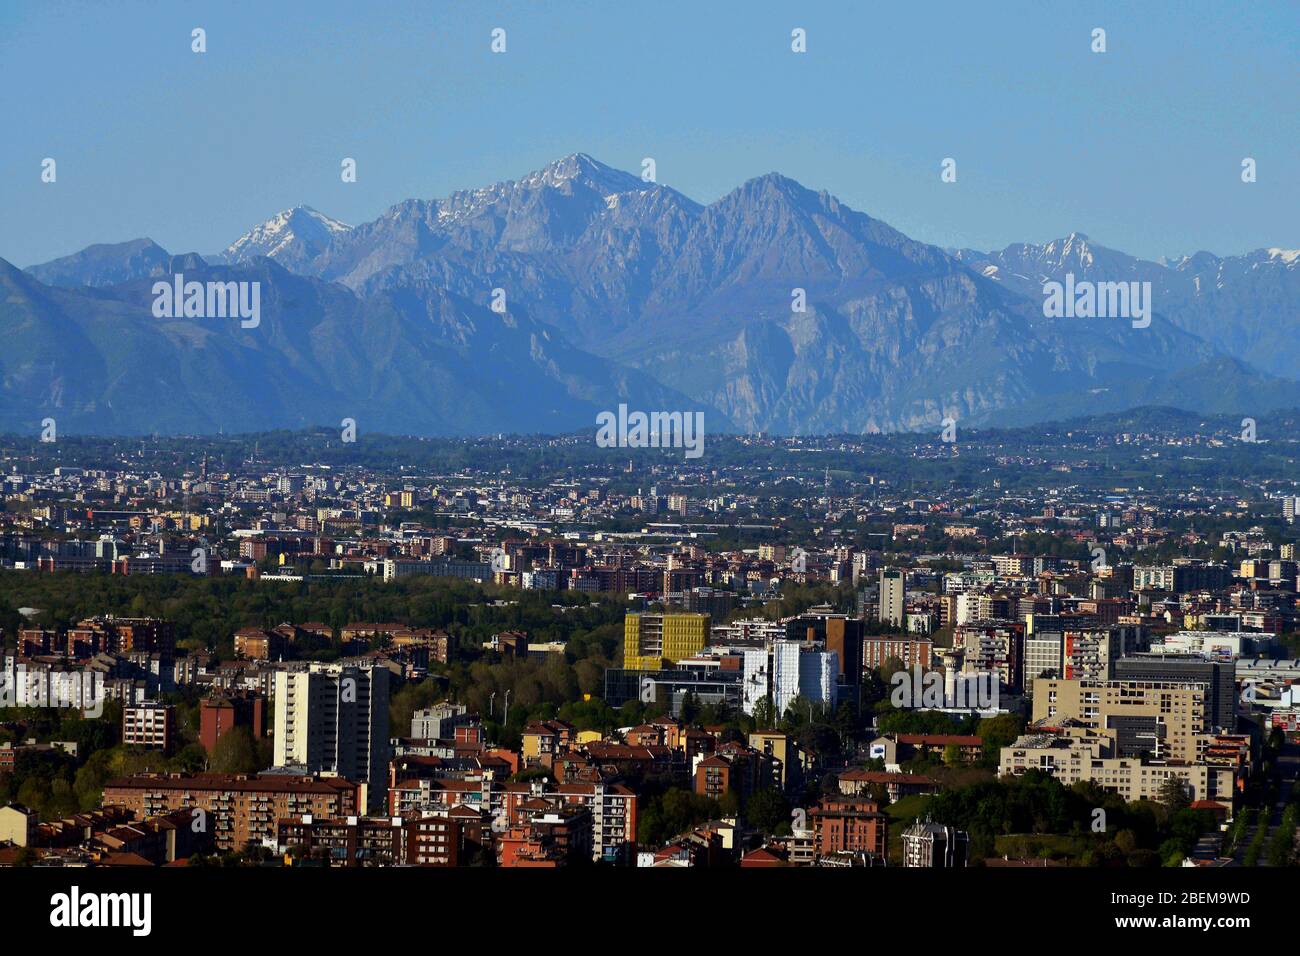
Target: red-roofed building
(848, 825)
(240, 808)
(544, 740)
(548, 834)
(765, 856)
(897, 785)
(157, 840)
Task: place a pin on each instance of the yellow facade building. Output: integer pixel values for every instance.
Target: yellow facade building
(653, 641)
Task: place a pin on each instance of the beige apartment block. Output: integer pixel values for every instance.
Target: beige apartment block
(1074, 759)
(1166, 719)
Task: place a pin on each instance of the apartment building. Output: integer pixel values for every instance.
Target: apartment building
(218, 715)
(546, 835)
(18, 825)
(239, 809)
(543, 740)
(933, 846)
(992, 647)
(446, 837)
(1090, 653)
(121, 635)
(733, 769)
(911, 651)
(1081, 757)
(613, 806)
(150, 725)
(419, 793)
(613, 809)
(892, 598)
(39, 684)
(783, 755)
(160, 840)
(1168, 720)
(440, 721)
(1217, 677)
(1182, 576)
(451, 837)
(749, 630)
(1044, 656)
(253, 643)
(333, 719)
(848, 825)
(392, 568)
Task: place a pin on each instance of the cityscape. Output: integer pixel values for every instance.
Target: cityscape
(572, 659)
(532, 511)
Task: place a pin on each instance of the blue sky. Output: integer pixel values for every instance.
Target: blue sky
(1139, 147)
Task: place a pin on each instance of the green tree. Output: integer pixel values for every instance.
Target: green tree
(403, 704)
(768, 811)
(234, 752)
(1173, 794)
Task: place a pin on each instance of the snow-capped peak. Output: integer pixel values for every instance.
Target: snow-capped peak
(1072, 247)
(606, 180)
(576, 171)
(300, 226)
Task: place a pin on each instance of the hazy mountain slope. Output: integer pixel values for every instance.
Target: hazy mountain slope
(104, 264)
(603, 273)
(1246, 306)
(417, 361)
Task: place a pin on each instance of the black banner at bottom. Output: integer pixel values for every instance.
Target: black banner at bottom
(308, 905)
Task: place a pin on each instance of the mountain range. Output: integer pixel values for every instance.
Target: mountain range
(529, 306)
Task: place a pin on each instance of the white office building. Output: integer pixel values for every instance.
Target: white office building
(803, 670)
(784, 670)
(757, 685)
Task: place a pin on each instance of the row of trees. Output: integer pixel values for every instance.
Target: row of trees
(1082, 823)
(208, 611)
